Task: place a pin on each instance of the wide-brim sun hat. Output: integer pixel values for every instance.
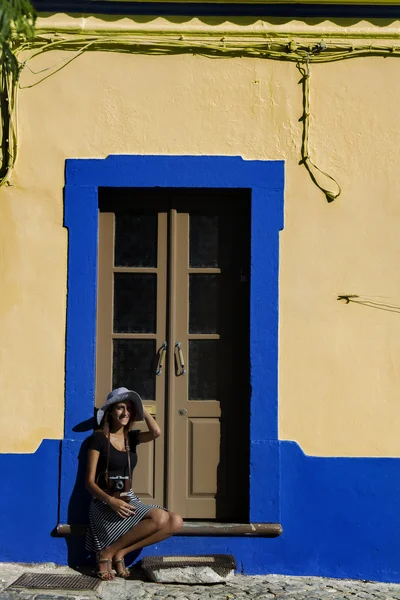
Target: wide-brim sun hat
(120, 395)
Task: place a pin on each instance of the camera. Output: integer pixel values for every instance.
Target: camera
(117, 483)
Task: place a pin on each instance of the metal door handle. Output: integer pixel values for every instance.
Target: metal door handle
(161, 357)
(181, 361)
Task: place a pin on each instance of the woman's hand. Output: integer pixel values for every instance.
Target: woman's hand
(122, 508)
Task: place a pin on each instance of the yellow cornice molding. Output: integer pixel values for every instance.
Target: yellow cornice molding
(243, 28)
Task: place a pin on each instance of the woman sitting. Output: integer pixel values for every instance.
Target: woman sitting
(119, 521)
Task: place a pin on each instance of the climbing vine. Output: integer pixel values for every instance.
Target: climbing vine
(17, 24)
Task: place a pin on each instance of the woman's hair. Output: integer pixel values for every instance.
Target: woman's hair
(106, 420)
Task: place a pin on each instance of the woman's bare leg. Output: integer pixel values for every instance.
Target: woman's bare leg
(146, 527)
(172, 526)
(156, 526)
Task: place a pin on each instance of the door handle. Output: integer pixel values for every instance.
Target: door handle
(180, 359)
(161, 358)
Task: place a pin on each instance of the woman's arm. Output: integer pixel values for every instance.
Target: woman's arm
(119, 506)
(153, 429)
(90, 484)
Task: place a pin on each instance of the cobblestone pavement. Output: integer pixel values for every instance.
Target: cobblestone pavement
(241, 587)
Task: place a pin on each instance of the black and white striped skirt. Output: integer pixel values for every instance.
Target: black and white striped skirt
(106, 527)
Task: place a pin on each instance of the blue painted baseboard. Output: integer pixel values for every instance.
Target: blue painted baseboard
(29, 506)
(340, 516)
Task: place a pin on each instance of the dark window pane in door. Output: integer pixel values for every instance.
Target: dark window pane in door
(203, 369)
(203, 303)
(134, 366)
(135, 296)
(203, 240)
(135, 240)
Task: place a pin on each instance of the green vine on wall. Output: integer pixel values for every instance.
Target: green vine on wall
(19, 36)
(17, 23)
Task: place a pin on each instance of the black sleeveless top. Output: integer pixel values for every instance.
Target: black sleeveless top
(118, 463)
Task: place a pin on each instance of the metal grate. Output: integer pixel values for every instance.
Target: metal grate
(45, 581)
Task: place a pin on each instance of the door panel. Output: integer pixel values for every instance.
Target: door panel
(104, 307)
(131, 324)
(204, 437)
(183, 409)
(208, 259)
(144, 475)
(173, 274)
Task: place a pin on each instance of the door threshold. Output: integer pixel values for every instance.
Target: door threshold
(197, 528)
(215, 528)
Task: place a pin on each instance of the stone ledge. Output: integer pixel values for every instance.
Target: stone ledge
(198, 528)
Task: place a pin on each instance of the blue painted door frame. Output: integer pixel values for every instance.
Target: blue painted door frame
(265, 179)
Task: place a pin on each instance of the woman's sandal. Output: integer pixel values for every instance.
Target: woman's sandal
(108, 574)
(124, 572)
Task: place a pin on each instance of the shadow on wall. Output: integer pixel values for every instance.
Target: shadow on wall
(370, 301)
(78, 508)
(79, 502)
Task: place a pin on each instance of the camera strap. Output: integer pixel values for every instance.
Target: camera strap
(128, 453)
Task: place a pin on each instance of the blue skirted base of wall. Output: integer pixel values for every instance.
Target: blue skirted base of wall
(340, 516)
(29, 505)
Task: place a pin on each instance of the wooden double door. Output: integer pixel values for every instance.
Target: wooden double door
(173, 325)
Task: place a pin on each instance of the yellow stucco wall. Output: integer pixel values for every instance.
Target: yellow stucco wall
(339, 379)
